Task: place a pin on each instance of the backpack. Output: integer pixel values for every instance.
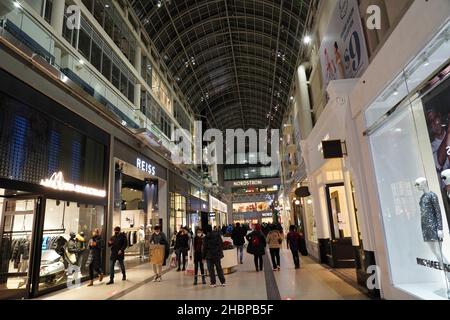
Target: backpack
(255, 241)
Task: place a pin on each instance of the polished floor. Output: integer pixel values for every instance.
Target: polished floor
(311, 282)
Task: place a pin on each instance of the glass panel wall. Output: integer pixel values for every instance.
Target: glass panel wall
(68, 226)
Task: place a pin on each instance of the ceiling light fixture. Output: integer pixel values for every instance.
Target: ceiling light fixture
(307, 40)
(159, 4)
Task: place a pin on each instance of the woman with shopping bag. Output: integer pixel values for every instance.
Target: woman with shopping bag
(158, 248)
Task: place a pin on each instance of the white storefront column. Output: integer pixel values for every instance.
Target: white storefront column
(303, 102)
(351, 209)
(57, 22)
(138, 86)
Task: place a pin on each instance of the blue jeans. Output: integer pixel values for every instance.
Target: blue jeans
(240, 252)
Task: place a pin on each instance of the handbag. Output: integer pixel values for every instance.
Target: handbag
(173, 260)
(72, 257)
(190, 267)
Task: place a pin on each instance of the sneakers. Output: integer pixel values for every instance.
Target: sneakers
(224, 285)
(275, 269)
(212, 285)
(110, 282)
(159, 279)
(279, 268)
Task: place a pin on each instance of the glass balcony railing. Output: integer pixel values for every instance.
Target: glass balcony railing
(35, 37)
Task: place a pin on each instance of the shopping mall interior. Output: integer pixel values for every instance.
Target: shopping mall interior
(224, 150)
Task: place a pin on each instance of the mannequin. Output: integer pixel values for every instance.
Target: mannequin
(432, 229)
(431, 217)
(141, 241)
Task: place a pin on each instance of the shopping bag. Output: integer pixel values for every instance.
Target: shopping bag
(173, 260)
(190, 267)
(157, 254)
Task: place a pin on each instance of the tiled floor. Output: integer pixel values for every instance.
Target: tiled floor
(312, 282)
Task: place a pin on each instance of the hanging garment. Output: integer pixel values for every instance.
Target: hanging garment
(431, 217)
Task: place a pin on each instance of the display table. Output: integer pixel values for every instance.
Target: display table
(229, 261)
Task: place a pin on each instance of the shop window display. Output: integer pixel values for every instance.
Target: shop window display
(410, 150)
(17, 229)
(68, 227)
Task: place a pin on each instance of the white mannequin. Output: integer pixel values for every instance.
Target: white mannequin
(141, 241)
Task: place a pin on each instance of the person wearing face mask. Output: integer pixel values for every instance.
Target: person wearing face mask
(118, 243)
(198, 256)
(158, 237)
(94, 262)
(182, 248)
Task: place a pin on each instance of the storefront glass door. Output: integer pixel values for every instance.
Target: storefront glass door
(17, 225)
(342, 254)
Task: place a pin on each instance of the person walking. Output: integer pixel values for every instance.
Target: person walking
(238, 236)
(293, 240)
(198, 256)
(182, 248)
(257, 246)
(274, 241)
(158, 237)
(213, 253)
(94, 262)
(118, 243)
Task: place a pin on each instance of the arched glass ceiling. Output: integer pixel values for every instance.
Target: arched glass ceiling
(233, 59)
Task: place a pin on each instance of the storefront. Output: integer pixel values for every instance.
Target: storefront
(408, 136)
(218, 212)
(140, 199)
(188, 205)
(53, 191)
(333, 233)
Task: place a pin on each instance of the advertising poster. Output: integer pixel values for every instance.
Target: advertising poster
(437, 114)
(343, 51)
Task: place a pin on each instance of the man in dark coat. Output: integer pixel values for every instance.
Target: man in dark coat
(118, 243)
(238, 236)
(213, 253)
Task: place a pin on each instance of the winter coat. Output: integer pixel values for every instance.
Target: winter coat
(73, 246)
(293, 240)
(238, 236)
(182, 241)
(198, 244)
(118, 243)
(274, 239)
(95, 252)
(261, 248)
(213, 246)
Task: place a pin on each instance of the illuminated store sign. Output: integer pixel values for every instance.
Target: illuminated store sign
(246, 183)
(145, 166)
(57, 182)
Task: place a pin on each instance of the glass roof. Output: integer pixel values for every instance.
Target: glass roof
(233, 59)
